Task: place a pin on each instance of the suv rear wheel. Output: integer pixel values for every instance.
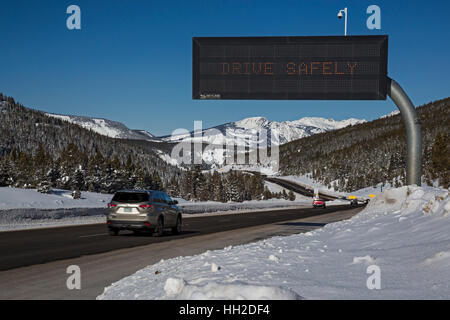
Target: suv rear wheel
(177, 228)
(159, 230)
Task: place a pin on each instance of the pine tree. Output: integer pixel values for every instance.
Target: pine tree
(291, 195)
(24, 168)
(78, 179)
(96, 172)
(44, 187)
(203, 187)
(186, 185)
(76, 194)
(4, 172)
(232, 187)
(42, 162)
(53, 174)
(173, 188)
(440, 160)
(156, 181)
(256, 186)
(218, 193)
(267, 194)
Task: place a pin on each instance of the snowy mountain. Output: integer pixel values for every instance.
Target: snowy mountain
(109, 128)
(249, 132)
(238, 131)
(254, 133)
(393, 113)
(258, 127)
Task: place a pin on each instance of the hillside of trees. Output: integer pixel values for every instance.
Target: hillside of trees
(37, 151)
(374, 152)
(74, 169)
(24, 130)
(223, 187)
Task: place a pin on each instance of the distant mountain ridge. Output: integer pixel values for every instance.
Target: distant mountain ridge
(286, 130)
(105, 127)
(237, 131)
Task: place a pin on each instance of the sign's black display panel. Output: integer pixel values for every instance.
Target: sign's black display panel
(290, 68)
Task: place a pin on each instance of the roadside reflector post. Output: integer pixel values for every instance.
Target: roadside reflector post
(413, 132)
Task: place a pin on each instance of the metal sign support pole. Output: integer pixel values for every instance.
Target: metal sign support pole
(345, 32)
(413, 132)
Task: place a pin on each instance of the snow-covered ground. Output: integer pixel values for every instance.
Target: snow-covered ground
(275, 188)
(26, 208)
(25, 219)
(263, 169)
(16, 198)
(400, 242)
(306, 181)
(214, 206)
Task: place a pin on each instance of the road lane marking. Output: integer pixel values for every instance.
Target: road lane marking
(94, 235)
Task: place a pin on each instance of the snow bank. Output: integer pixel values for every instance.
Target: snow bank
(403, 232)
(16, 198)
(179, 289)
(27, 209)
(188, 207)
(31, 218)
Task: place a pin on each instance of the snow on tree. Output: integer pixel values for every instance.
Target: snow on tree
(76, 194)
(44, 187)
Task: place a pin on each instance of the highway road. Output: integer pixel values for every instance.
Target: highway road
(295, 187)
(298, 188)
(33, 261)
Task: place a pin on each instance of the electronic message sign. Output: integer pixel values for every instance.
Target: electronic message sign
(290, 68)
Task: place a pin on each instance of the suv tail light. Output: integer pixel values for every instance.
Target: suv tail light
(145, 206)
(111, 205)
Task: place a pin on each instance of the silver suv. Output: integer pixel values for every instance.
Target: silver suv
(143, 210)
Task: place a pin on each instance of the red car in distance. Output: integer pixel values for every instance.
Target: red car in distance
(318, 202)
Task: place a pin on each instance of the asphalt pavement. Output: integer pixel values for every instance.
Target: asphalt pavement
(33, 262)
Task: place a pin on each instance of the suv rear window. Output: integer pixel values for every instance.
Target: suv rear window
(131, 197)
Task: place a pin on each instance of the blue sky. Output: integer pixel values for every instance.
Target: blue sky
(132, 60)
